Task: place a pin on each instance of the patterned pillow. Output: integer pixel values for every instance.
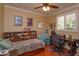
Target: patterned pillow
(5, 44)
(43, 36)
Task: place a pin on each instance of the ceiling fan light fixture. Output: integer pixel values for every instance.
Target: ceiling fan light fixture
(46, 8)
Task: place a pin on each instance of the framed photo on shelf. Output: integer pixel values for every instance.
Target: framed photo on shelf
(18, 20)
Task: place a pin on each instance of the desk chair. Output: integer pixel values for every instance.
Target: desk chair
(57, 42)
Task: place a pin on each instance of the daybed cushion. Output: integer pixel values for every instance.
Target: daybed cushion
(28, 45)
(5, 44)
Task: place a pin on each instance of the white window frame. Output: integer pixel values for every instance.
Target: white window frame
(57, 24)
(67, 13)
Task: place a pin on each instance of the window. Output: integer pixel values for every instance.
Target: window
(60, 22)
(67, 22)
(70, 22)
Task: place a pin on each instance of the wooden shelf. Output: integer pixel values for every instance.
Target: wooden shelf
(19, 36)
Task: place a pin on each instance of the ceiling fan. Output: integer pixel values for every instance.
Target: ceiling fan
(46, 6)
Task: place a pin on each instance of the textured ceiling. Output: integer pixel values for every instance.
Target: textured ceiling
(31, 6)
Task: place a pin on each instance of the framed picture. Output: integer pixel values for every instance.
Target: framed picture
(18, 20)
(52, 26)
(29, 22)
(40, 25)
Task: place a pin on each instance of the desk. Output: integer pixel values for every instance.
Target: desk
(69, 42)
(71, 46)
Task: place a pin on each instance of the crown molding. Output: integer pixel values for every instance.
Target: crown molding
(20, 9)
(63, 10)
(66, 9)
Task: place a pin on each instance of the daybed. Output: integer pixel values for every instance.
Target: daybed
(27, 45)
(24, 44)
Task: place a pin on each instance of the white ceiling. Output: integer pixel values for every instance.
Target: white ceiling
(31, 6)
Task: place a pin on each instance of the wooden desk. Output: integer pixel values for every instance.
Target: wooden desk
(69, 42)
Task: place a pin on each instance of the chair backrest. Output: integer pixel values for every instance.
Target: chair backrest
(56, 40)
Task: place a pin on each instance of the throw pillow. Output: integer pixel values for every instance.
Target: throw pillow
(5, 44)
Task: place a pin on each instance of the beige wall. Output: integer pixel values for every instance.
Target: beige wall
(1, 19)
(74, 34)
(9, 14)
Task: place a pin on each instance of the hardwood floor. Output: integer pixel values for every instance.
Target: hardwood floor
(45, 52)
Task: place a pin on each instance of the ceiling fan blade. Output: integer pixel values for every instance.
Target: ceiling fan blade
(38, 7)
(45, 4)
(53, 6)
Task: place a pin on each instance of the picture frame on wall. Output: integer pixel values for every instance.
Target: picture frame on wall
(18, 20)
(52, 26)
(40, 25)
(29, 22)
